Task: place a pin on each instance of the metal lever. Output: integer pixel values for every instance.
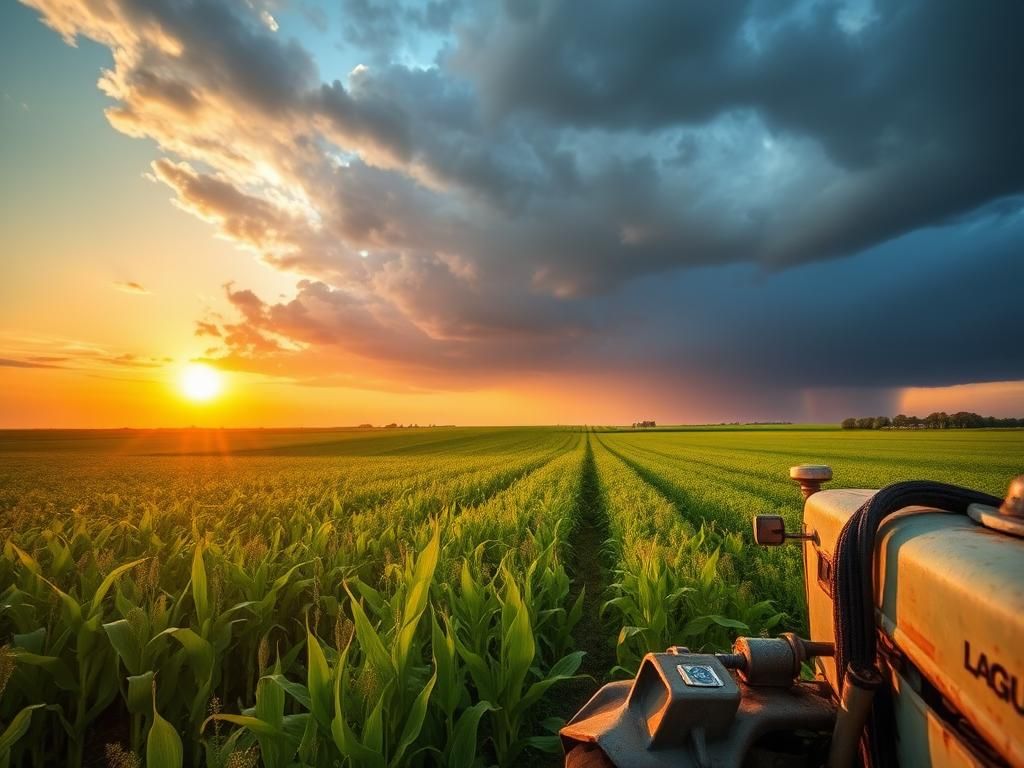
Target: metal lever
(770, 531)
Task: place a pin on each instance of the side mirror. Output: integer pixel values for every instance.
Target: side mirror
(770, 531)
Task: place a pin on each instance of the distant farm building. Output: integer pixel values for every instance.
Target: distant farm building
(644, 424)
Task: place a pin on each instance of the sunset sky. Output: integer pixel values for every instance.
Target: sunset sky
(529, 212)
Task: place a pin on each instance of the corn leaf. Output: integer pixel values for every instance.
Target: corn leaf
(416, 600)
(122, 637)
(462, 750)
(54, 665)
(200, 587)
(519, 646)
(370, 642)
(30, 563)
(373, 731)
(446, 672)
(254, 724)
(297, 691)
(199, 652)
(140, 689)
(344, 737)
(414, 720)
(318, 680)
(16, 729)
(163, 745)
(108, 582)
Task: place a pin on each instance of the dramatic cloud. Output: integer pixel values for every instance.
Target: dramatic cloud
(546, 186)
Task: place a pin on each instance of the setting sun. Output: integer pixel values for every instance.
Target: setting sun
(200, 382)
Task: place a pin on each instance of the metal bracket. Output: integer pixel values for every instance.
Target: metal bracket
(770, 531)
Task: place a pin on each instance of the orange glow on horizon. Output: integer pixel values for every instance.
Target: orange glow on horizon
(997, 398)
(142, 398)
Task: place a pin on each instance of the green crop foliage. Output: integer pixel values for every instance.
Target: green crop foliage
(386, 598)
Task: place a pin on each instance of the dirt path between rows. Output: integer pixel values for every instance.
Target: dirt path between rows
(589, 571)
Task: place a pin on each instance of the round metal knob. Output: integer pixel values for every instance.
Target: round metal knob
(810, 477)
(1013, 505)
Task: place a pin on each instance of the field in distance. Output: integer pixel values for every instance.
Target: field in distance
(393, 596)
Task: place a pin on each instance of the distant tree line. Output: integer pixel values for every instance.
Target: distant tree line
(644, 424)
(937, 420)
(749, 424)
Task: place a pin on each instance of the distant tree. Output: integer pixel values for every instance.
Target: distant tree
(935, 420)
(966, 420)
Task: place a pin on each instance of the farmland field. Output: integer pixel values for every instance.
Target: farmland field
(390, 597)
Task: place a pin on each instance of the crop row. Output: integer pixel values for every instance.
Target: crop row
(395, 630)
(677, 580)
(375, 599)
(711, 494)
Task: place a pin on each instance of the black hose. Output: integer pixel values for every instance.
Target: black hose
(853, 592)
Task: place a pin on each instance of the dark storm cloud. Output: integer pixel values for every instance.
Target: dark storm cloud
(557, 186)
(886, 319)
(382, 26)
(919, 108)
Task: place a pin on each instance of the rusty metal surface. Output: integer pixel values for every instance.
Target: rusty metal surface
(925, 736)
(769, 661)
(951, 598)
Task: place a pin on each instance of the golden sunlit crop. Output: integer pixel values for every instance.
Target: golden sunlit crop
(200, 382)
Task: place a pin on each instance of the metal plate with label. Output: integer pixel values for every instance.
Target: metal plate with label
(699, 675)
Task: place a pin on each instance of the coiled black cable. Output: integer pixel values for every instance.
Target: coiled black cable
(853, 592)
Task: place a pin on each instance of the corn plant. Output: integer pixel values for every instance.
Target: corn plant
(676, 584)
(18, 725)
(380, 598)
(500, 664)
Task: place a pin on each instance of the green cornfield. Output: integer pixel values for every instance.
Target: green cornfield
(401, 597)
